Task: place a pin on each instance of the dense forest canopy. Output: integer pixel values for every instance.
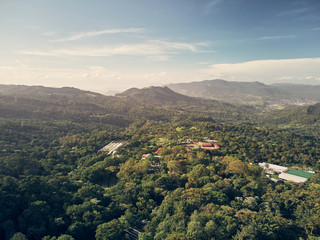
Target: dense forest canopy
(56, 184)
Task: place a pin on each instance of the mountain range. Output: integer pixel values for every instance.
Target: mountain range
(164, 104)
(251, 93)
(153, 103)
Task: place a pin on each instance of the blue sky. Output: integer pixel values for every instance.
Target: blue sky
(104, 45)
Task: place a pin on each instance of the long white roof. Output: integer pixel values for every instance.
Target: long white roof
(290, 177)
(273, 167)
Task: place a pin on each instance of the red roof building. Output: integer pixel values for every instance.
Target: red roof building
(206, 144)
(208, 148)
(210, 140)
(144, 156)
(157, 152)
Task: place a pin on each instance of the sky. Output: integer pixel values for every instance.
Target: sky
(113, 45)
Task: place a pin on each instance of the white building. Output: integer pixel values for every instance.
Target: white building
(274, 167)
(293, 178)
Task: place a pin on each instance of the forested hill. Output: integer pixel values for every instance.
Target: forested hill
(75, 105)
(156, 95)
(37, 102)
(303, 118)
(21, 90)
(253, 93)
(209, 110)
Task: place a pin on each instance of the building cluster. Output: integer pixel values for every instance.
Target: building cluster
(284, 173)
(207, 144)
(155, 160)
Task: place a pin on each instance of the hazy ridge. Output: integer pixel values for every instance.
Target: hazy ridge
(251, 93)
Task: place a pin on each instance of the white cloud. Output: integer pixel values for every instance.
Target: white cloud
(266, 38)
(278, 37)
(203, 63)
(83, 35)
(304, 70)
(295, 12)
(95, 78)
(102, 79)
(175, 45)
(159, 58)
(49, 34)
(154, 49)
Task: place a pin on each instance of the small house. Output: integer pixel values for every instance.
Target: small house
(144, 156)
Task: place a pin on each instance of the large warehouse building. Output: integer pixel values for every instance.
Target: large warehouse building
(294, 175)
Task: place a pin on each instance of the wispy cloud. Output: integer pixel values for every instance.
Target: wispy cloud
(177, 45)
(211, 5)
(278, 37)
(295, 12)
(203, 63)
(84, 35)
(265, 38)
(306, 10)
(49, 34)
(155, 49)
(304, 70)
(99, 78)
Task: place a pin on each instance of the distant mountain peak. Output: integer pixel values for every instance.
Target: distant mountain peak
(41, 90)
(155, 95)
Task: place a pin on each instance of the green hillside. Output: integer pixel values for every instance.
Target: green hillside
(305, 120)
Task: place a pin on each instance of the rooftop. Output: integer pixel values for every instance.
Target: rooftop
(300, 173)
(273, 167)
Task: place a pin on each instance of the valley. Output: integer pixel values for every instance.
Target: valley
(154, 164)
(160, 120)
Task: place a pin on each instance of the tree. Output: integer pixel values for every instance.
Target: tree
(110, 231)
(65, 237)
(19, 236)
(237, 167)
(177, 236)
(195, 230)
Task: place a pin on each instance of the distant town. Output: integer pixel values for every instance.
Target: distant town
(272, 171)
